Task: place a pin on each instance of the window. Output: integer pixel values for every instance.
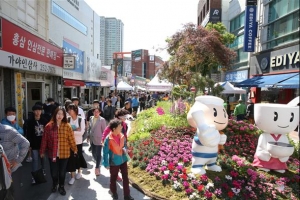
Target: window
(283, 26)
(238, 42)
(69, 19)
(283, 40)
(280, 8)
(241, 56)
(27, 12)
(237, 22)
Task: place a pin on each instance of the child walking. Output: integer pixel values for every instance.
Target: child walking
(114, 158)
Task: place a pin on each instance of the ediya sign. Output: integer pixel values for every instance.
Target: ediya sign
(250, 29)
(291, 58)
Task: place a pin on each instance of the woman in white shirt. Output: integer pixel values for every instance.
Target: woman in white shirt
(78, 125)
(119, 103)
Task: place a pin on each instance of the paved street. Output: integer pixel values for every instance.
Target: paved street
(89, 187)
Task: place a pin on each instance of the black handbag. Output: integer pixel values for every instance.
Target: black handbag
(39, 176)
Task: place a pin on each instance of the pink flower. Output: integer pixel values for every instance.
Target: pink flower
(208, 194)
(204, 177)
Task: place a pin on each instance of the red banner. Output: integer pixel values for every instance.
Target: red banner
(21, 42)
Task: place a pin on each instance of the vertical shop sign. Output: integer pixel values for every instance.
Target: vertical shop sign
(19, 98)
(250, 29)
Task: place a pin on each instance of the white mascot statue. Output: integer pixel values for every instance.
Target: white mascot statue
(209, 117)
(273, 148)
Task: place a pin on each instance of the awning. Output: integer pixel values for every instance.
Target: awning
(265, 81)
(292, 82)
(97, 84)
(74, 83)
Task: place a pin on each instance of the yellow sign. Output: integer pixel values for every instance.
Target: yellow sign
(19, 98)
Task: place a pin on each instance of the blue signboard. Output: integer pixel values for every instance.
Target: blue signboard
(79, 55)
(250, 29)
(236, 76)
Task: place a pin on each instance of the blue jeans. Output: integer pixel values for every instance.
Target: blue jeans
(35, 160)
(96, 151)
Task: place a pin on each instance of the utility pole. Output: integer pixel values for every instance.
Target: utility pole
(116, 56)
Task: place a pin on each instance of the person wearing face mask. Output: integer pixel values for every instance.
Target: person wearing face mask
(10, 119)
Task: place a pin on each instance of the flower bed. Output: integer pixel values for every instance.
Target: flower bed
(162, 164)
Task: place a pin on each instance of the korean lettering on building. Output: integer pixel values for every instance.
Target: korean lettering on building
(29, 64)
(28, 45)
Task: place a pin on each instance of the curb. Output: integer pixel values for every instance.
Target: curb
(146, 192)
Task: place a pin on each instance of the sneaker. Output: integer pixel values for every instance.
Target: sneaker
(32, 181)
(97, 171)
(62, 190)
(128, 198)
(44, 172)
(78, 176)
(29, 159)
(119, 179)
(115, 196)
(72, 180)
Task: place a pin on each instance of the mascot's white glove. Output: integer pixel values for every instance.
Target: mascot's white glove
(207, 133)
(223, 139)
(263, 155)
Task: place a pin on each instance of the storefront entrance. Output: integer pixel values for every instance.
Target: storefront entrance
(33, 92)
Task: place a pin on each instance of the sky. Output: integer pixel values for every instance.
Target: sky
(147, 23)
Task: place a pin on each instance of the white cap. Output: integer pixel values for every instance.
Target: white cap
(207, 99)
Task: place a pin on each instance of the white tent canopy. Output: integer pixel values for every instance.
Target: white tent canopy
(123, 86)
(230, 89)
(140, 88)
(159, 85)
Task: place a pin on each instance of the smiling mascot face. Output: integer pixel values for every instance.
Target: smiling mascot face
(276, 118)
(213, 109)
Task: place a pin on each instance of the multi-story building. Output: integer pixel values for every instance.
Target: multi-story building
(144, 66)
(102, 39)
(111, 37)
(236, 21)
(274, 64)
(30, 66)
(75, 27)
(231, 14)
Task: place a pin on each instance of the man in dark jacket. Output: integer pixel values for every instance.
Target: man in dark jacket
(49, 108)
(109, 111)
(34, 129)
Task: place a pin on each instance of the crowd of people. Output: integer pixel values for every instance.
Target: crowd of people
(56, 133)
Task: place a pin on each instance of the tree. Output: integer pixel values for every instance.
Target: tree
(195, 52)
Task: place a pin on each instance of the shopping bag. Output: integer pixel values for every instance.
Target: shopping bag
(39, 176)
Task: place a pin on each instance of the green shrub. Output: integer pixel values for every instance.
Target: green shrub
(166, 105)
(138, 136)
(149, 120)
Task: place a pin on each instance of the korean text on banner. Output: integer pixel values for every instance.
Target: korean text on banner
(250, 29)
(19, 92)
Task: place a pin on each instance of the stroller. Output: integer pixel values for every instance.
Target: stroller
(5, 177)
